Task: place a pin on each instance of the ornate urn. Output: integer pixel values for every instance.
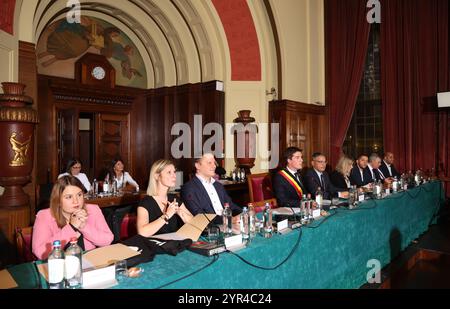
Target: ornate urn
(17, 123)
(245, 141)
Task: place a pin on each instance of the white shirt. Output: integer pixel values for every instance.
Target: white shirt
(122, 181)
(292, 172)
(212, 193)
(371, 171)
(388, 167)
(82, 177)
(361, 171)
(320, 178)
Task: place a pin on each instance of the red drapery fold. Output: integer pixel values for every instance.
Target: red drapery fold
(346, 41)
(414, 67)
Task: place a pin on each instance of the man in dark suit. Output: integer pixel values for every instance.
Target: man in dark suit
(374, 165)
(287, 183)
(317, 177)
(203, 194)
(360, 174)
(387, 166)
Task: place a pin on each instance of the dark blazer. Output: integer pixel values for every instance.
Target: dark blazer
(196, 198)
(312, 183)
(355, 177)
(338, 180)
(284, 192)
(376, 174)
(383, 168)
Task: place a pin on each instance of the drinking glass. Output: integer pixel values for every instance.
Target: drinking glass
(121, 269)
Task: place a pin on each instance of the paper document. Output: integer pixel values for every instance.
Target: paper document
(192, 229)
(286, 211)
(104, 256)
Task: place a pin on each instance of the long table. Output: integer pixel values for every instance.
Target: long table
(332, 252)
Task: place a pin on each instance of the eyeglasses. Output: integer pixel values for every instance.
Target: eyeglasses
(321, 162)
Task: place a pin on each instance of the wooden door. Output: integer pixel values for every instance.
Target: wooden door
(112, 141)
(67, 137)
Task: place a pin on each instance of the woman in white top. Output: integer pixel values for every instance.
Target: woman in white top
(74, 169)
(123, 178)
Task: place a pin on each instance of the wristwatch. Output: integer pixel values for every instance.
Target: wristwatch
(165, 217)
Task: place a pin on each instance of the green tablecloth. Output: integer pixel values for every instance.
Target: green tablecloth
(331, 253)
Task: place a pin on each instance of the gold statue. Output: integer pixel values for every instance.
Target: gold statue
(20, 150)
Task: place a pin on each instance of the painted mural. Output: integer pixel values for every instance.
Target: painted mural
(62, 43)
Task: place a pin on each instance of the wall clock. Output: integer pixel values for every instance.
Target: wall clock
(98, 72)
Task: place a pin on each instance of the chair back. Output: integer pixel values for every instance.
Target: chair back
(43, 193)
(260, 205)
(259, 187)
(24, 236)
(128, 226)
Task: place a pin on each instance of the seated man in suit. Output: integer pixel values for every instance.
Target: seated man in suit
(387, 166)
(287, 183)
(317, 177)
(360, 174)
(374, 164)
(203, 194)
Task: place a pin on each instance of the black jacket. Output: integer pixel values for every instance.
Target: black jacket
(312, 183)
(338, 180)
(383, 168)
(285, 193)
(197, 200)
(355, 177)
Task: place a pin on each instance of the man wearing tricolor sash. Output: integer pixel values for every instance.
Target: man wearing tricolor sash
(287, 182)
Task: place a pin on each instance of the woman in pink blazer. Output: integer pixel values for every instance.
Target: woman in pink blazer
(67, 217)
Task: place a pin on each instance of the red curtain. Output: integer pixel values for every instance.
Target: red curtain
(346, 41)
(414, 67)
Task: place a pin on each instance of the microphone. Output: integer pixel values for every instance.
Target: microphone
(296, 223)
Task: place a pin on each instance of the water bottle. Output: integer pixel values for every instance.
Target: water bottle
(351, 195)
(303, 210)
(309, 204)
(234, 176)
(227, 220)
(267, 220)
(395, 185)
(319, 197)
(252, 220)
(56, 267)
(417, 177)
(106, 186)
(378, 189)
(242, 174)
(114, 186)
(95, 187)
(244, 224)
(73, 274)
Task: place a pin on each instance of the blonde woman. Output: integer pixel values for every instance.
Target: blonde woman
(160, 212)
(340, 176)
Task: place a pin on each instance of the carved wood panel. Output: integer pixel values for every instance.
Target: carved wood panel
(301, 125)
(113, 140)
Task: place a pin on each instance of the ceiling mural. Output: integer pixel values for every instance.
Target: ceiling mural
(62, 44)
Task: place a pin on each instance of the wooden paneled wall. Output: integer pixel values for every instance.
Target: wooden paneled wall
(28, 76)
(153, 112)
(169, 105)
(302, 125)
